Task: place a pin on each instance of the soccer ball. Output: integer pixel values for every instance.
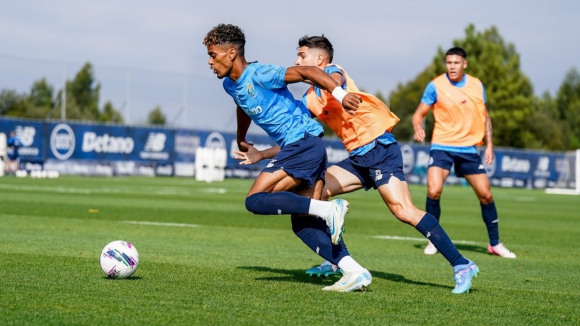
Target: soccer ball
(119, 259)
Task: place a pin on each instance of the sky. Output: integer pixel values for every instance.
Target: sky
(149, 52)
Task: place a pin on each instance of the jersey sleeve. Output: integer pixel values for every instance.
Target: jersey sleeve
(430, 95)
(484, 96)
(334, 69)
(271, 76)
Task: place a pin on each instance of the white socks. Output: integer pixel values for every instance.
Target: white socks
(320, 208)
(349, 265)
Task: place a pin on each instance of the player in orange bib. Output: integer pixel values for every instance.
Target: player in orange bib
(375, 159)
(461, 123)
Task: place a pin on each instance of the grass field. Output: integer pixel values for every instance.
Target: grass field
(220, 265)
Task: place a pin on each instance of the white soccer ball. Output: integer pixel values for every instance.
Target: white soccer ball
(119, 259)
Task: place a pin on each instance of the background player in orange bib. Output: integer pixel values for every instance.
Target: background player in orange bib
(461, 122)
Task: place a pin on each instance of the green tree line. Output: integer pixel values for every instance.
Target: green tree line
(520, 119)
(82, 101)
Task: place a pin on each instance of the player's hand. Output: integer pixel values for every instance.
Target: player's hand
(419, 135)
(247, 154)
(242, 148)
(489, 155)
(350, 102)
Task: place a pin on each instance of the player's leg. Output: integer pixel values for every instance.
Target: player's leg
(398, 198)
(437, 173)
(316, 234)
(338, 181)
(480, 184)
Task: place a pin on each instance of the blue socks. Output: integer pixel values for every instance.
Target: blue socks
(277, 203)
(489, 214)
(432, 230)
(432, 207)
(314, 232)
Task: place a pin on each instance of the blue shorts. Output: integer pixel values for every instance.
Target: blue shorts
(376, 166)
(303, 159)
(12, 155)
(465, 163)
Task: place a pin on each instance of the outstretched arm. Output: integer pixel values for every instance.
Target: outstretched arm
(418, 116)
(248, 154)
(319, 78)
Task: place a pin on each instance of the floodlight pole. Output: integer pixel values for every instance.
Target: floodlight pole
(63, 94)
(128, 96)
(185, 86)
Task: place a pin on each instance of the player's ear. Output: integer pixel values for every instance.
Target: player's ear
(232, 53)
(464, 63)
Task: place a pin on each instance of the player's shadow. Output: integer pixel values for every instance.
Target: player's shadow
(293, 275)
(461, 247)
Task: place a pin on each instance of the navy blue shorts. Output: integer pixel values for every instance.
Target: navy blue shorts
(12, 155)
(465, 163)
(303, 159)
(377, 166)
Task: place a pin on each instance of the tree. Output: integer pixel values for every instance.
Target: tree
(497, 64)
(82, 96)
(40, 99)
(543, 129)
(110, 114)
(12, 103)
(568, 106)
(156, 117)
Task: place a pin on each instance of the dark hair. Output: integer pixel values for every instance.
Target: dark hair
(457, 51)
(226, 34)
(317, 42)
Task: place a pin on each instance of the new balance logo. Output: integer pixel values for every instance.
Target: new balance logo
(428, 234)
(279, 212)
(271, 164)
(378, 175)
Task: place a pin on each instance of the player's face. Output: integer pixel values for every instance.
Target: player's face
(455, 66)
(220, 60)
(308, 57)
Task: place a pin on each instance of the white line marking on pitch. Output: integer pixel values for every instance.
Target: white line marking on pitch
(161, 224)
(395, 237)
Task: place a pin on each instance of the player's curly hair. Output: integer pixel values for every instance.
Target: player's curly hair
(317, 42)
(226, 34)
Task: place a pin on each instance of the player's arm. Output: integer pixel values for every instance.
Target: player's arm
(322, 80)
(488, 139)
(244, 122)
(248, 154)
(417, 120)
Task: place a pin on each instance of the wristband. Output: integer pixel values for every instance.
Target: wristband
(338, 93)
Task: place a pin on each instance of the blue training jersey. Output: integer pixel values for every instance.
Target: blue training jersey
(430, 98)
(264, 96)
(386, 138)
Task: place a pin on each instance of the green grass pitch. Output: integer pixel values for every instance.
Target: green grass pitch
(205, 260)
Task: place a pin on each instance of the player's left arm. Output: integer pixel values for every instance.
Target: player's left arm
(322, 80)
(488, 139)
(248, 154)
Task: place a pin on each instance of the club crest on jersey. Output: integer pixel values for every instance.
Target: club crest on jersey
(251, 90)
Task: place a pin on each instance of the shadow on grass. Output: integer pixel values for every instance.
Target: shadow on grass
(293, 275)
(131, 278)
(461, 247)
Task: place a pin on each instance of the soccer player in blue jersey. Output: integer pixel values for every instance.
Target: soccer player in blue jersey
(375, 159)
(13, 146)
(461, 122)
(293, 180)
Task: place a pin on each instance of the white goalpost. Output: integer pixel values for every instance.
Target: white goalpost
(569, 180)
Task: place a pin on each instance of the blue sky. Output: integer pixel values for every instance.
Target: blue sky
(155, 46)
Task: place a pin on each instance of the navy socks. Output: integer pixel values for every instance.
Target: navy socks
(314, 232)
(432, 230)
(277, 203)
(489, 214)
(432, 207)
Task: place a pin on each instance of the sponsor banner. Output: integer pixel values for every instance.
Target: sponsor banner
(104, 150)
(31, 137)
(114, 143)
